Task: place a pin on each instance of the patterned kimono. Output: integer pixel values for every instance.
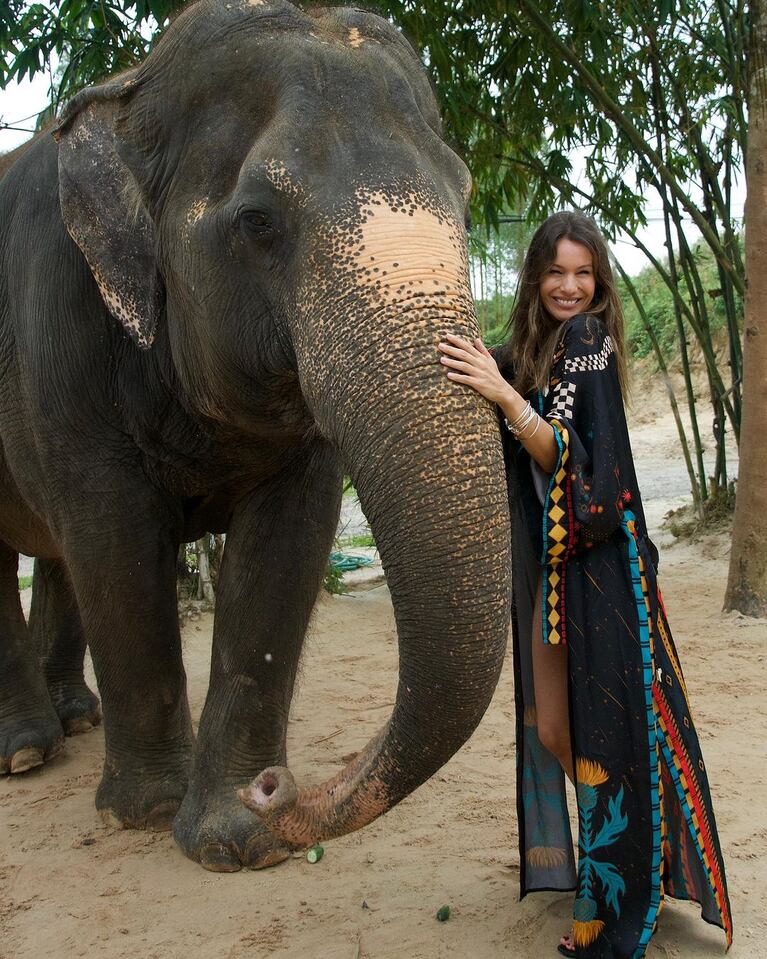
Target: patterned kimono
(646, 826)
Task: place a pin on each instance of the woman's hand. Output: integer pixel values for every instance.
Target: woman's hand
(473, 364)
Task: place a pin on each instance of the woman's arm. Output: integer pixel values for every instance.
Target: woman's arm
(473, 365)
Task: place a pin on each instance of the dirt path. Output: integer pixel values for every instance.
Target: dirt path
(69, 886)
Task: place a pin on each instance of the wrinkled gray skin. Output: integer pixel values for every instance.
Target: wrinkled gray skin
(222, 286)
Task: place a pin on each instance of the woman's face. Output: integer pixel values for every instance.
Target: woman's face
(567, 287)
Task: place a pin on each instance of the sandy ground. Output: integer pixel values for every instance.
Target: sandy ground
(70, 886)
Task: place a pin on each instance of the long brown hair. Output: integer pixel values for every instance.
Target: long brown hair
(534, 334)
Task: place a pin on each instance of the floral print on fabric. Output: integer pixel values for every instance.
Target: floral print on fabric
(597, 877)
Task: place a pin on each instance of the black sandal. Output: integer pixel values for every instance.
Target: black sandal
(564, 950)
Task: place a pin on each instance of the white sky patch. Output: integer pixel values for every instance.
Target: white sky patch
(19, 101)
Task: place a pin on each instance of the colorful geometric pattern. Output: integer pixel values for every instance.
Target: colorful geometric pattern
(557, 542)
(642, 600)
(563, 400)
(667, 645)
(593, 362)
(692, 803)
(664, 842)
(665, 737)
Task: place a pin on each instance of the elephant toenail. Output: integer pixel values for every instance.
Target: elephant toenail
(26, 759)
(77, 726)
(219, 858)
(160, 819)
(110, 818)
(261, 854)
(54, 750)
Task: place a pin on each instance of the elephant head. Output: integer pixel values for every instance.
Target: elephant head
(270, 195)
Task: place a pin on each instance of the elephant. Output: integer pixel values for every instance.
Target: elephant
(223, 281)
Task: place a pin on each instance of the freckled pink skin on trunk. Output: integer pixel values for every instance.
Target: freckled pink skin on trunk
(305, 817)
(425, 458)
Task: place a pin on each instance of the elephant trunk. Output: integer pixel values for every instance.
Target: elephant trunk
(426, 461)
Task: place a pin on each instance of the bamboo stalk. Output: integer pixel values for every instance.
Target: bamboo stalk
(661, 173)
(683, 442)
(686, 362)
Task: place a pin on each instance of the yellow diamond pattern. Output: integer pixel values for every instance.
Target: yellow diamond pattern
(556, 545)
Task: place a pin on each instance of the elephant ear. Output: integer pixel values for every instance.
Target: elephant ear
(104, 211)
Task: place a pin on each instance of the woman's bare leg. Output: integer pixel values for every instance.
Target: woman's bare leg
(551, 704)
(551, 697)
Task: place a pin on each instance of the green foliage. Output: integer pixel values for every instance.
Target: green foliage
(497, 254)
(334, 581)
(659, 306)
(650, 98)
(91, 39)
(658, 303)
(25, 582)
(357, 540)
(493, 315)
(187, 573)
(187, 565)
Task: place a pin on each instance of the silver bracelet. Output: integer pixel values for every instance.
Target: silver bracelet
(516, 424)
(520, 424)
(537, 424)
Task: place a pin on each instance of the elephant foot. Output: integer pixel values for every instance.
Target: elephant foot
(215, 830)
(77, 707)
(136, 795)
(29, 742)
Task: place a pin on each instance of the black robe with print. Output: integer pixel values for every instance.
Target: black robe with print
(646, 825)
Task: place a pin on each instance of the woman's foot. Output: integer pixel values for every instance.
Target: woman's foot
(566, 946)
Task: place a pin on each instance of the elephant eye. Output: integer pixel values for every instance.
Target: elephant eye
(256, 222)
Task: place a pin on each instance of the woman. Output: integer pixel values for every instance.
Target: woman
(600, 694)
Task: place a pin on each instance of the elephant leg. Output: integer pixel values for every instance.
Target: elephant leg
(30, 731)
(57, 634)
(271, 573)
(124, 579)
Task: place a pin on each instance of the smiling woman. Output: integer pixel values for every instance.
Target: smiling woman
(599, 689)
(567, 259)
(567, 287)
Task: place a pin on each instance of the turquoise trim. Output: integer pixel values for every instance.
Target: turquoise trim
(653, 738)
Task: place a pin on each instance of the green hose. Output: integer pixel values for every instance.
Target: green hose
(346, 561)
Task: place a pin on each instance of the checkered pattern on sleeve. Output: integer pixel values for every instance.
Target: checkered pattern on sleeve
(563, 399)
(594, 362)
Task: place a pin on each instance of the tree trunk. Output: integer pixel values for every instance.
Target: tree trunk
(204, 584)
(747, 583)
